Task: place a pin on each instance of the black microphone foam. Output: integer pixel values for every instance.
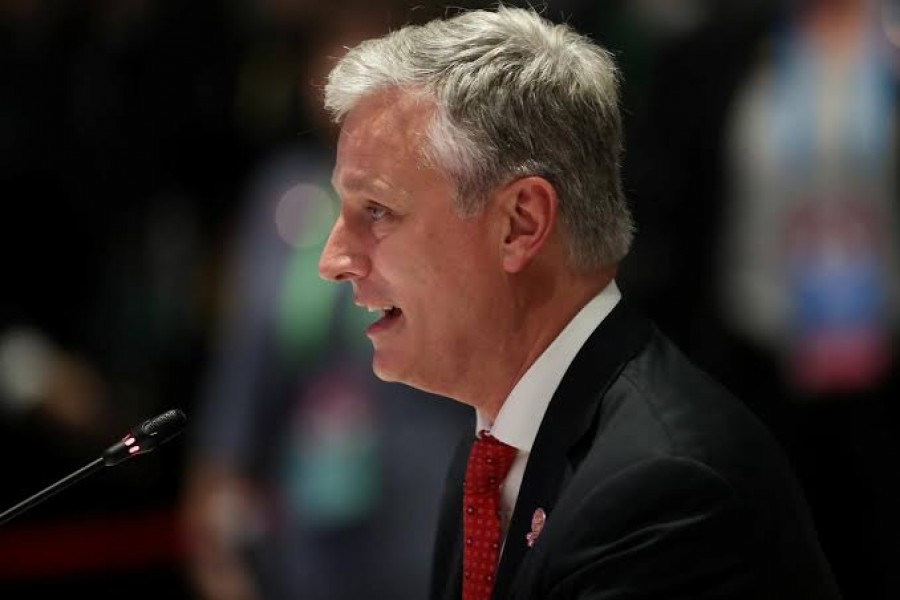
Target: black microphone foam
(146, 437)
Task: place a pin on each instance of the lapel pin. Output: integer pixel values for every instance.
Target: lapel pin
(537, 523)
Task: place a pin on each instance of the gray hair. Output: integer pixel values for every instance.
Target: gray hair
(515, 95)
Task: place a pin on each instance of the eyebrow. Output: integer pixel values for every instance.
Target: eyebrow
(354, 183)
(362, 183)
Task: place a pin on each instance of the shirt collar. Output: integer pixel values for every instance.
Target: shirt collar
(523, 410)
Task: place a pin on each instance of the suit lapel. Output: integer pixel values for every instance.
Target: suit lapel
(570, 415)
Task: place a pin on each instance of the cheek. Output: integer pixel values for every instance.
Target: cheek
(439, 267)
(447, 269)
(468, 292)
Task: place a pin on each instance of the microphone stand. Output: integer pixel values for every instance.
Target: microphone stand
(141, 440)
(51, 489)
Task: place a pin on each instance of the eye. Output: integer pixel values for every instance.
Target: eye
(376, 212)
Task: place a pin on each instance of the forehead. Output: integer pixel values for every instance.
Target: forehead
(383, 134)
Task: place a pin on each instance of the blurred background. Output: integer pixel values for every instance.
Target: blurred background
(164, 166)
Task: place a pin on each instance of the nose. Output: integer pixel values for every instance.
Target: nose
(342, 258)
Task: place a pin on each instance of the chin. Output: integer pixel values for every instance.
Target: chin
(385, 370)
(393, 370)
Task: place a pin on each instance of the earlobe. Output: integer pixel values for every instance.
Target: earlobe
(530, 213)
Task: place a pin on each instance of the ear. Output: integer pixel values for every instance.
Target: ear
(529, 208)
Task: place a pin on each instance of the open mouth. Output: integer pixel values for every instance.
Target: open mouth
(387, 311)
(389, 314)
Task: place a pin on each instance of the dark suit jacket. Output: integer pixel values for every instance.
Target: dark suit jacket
(657, 483)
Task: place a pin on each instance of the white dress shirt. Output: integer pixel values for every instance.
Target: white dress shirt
(523, 410)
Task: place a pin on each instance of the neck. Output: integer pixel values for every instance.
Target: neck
(542, 309)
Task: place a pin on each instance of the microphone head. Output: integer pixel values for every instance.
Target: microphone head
(146, 437)
(165, 425)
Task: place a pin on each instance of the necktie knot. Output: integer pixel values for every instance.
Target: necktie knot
(489, 462)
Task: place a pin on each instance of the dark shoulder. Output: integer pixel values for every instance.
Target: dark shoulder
(668, 437)
(663, 405)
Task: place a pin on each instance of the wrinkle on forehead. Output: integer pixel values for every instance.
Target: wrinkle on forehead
(384, 130)
(361, 181)
(395, 120)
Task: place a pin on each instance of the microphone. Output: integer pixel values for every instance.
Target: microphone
(144, 438)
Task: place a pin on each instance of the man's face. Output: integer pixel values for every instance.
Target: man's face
(436, 277)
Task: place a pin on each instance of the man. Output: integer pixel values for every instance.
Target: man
(482, 214)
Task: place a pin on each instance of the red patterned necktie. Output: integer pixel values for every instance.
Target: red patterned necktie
(489, 462)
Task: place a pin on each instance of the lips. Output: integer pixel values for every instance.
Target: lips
(389, 314)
